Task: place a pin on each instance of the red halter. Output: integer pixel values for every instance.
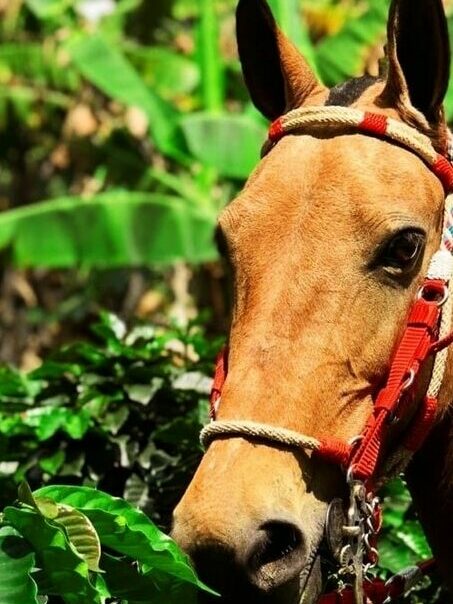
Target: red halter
(420, 340)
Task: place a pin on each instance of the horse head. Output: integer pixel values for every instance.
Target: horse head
(328, 243)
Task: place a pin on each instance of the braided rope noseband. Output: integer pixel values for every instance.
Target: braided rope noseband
(426, 315)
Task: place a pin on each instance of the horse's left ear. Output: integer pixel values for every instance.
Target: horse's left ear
(419, 57)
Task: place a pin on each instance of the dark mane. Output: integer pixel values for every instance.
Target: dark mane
(347, 93)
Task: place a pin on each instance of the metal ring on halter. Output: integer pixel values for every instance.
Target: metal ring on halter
(424, 289)
(355, 440)
(350, 475)
(409, 380)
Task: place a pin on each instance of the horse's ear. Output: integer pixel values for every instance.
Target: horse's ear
(276, 74)
(419, 57)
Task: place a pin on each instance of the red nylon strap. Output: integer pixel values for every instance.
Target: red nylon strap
(412, 351)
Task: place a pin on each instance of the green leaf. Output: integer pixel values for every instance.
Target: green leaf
(104, 66)
(126, 582)
(412, 535)
(48, 420)
(108, 230)
(126, 530)
(64, 570)
(48, 9)
(393, 555)
(169, 73)
(79, 530)
(343, 55)
(229, 143)
(396, 499)
(16, 564)
(52, 463)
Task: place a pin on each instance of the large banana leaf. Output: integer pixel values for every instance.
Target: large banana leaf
(109, 229)
(100, 62)
(344, 55)
(229, 143)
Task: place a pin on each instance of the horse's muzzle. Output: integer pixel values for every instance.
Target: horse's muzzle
(259, 565)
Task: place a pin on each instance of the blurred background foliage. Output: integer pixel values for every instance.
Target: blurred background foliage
(124, 128)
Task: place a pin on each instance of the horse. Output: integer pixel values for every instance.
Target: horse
(329, 243)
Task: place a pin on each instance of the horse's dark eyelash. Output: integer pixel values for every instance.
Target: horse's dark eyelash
(379, 252)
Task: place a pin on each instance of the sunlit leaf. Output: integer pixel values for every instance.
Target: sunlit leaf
(109, 229)
(126, 530)
(79, 530)
(65, 571)
(229, 143)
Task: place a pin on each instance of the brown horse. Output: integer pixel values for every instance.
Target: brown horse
(328, 243)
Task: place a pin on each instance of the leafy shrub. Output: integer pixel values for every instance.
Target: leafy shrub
(122, 412)
(84, 546)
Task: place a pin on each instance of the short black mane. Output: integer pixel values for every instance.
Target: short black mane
(343, 95)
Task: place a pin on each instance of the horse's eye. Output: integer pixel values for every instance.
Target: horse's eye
(403, 250)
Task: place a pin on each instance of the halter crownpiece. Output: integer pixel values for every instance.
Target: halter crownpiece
(427, 334)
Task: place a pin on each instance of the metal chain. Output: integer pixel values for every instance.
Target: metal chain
(358, 554)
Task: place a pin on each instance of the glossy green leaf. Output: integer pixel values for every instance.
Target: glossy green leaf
(109, 229)
(229, 143)
(17, 561)
(126, 530)
(102, 63)
(79, 530)
(65, 572)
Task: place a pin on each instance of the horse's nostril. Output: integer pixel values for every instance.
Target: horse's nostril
(277, 556)
(281, 539)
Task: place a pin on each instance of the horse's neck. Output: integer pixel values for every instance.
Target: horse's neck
(430, 480)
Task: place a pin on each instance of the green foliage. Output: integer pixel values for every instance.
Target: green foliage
(111, 229)
(98, 106)
(52, 545)
(122, 413)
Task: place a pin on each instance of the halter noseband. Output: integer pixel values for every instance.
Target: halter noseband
(427, 331)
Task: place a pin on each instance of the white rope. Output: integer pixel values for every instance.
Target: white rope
(304, 117)
(258, 431)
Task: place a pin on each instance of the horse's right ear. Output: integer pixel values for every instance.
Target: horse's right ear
(276, 74)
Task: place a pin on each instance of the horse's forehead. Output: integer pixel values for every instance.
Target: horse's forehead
(346, 176)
